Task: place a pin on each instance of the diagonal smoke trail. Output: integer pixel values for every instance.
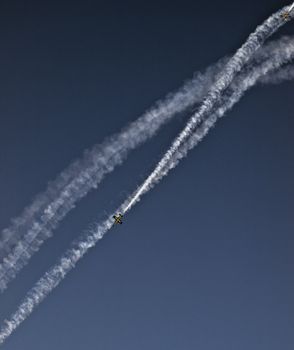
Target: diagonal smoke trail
(235, 64)
(27, 233)
(79, 248)
(87, 172)
(163, 110)
(102, 159)
(232, 96)
(283, 74)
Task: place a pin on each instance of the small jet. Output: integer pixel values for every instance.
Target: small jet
(286, 15)
(118, 219)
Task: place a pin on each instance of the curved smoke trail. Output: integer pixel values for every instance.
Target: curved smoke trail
(28, 232)
(232, 96)
(282, 75)
(80, 247)
(85, 174)
(235, 64)
(81, 175)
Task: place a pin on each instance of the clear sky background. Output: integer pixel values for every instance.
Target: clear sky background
(205, 261)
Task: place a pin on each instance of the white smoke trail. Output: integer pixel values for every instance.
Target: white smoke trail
(231, 97)
(87, 172)
(39, 219)
(53, 277)
(284, 74)
(79, 248)
(75, 182)
(235, 64)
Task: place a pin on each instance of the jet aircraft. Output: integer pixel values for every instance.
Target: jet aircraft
(286, 15)
(118, 219)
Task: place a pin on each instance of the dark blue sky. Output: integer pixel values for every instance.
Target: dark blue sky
(205, 261)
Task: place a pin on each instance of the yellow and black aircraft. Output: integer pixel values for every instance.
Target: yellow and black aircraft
(118, 219)
(286, 16)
